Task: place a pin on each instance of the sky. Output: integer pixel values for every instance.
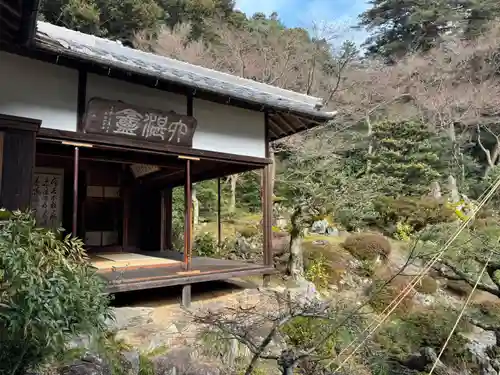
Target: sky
(337, 14)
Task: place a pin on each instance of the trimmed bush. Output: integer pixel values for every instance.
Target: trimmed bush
(368, 246)
(417, 213)
(381, 298)
(205, 245)
(427, 285)
(429, 328)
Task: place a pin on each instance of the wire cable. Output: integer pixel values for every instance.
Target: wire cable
(462, 312)
(398, 299)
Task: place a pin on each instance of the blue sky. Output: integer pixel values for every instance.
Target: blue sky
(302, 13)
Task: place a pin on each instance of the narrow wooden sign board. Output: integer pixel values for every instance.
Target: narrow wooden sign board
(121, 119)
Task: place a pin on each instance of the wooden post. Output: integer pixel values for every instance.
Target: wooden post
(168, 218)
(126, 217)
(219, 218)
(267, 206)
(74, 227)
(188, 219)
(163, 223)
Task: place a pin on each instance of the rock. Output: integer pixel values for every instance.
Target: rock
(320, 227)
(88, 365)
(130, 362)
(129, 317)
(181, 362)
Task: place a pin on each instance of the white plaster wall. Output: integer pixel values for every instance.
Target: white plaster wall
(113, 89)
(227, 129)
(38, 90)
(221, 128)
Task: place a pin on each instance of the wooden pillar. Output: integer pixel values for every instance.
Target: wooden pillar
(267, 216)
(188, 222)
(267, 206)
(219, 217)
(126, 217)
(74, 224)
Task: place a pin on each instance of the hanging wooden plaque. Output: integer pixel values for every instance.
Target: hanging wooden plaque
(122, 119)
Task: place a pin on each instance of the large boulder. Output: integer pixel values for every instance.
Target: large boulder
(182, 362)
(87, 365)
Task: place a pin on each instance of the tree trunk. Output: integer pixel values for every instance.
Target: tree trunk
(453, 190)
(296, 259)
(273, 170)
(370, 144)
(196, 207)
(232, 204)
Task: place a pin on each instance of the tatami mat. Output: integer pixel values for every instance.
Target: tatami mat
(126, 260)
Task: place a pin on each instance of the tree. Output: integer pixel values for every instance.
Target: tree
(113, 19)
(306, 326)
(402, 27)
(49, 294)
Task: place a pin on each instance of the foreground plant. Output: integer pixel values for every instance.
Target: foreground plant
(49, 293)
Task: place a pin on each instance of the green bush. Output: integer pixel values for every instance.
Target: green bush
(416, 213)
(49, 294)
(429, 328)
(318, 272)
(205, 245)
(367, 246)
(382, 295)
(248, 231)
(427, 285)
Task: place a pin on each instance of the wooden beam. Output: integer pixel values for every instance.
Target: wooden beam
(281, 120)
(10, 9)
(124, 144)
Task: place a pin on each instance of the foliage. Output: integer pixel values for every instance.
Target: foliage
(403, 27)
(205, 245)
(403, 231)
(427, 285)
(411, 154)
(368, 246)
(381, 295)
(49, 294)
(317, 271)
(118, 19)
(428, 328)
(416, 213)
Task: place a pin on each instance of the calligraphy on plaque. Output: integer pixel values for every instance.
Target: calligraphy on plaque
(122, 119)
(47, 198)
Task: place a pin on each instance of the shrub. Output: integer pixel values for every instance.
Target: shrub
(429, 328)
(205, 245)
(427, 285)
(382, 295)
(367, 246)
(416, 213)
(318, 272)
(248, 231)
(458, 287)
(50, 293)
